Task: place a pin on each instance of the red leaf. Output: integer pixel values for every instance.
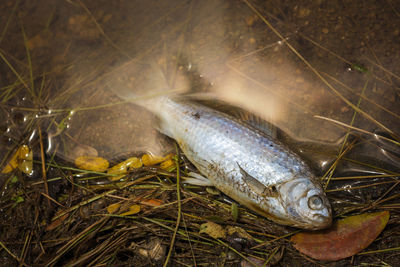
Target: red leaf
(152, 202)
(345, 238)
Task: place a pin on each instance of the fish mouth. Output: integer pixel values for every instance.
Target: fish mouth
(318, 221)
(276, 219)
(321, 222)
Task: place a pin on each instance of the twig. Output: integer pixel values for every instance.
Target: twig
(344, 150)
(178, 219)
(44, 176)
(379, 251)
(273, 240)
(52, 199)
(357, 129)
(8, 251)
(237, 252)
(24, 249)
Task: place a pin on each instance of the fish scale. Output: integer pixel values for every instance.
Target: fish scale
(242, 162)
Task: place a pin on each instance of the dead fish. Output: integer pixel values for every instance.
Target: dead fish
(245, 163)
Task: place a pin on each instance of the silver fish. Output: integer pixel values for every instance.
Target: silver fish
(244, 163)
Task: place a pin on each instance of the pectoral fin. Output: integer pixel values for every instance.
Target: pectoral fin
(256, 186)
(197, 179)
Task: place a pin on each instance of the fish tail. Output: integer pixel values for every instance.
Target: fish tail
(153, 89)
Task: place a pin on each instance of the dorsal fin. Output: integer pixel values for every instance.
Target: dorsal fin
(238, 113)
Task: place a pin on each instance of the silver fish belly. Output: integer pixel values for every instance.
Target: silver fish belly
(246, 164)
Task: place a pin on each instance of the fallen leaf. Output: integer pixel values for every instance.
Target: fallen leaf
(132, 210)
(239, 231)
(21, 154)
(149, 159)
(212, 229)
(113, 208)
(345, 238)
(97, 164)
(26, 160)
(124, 167)
(152, 202)
(56, 223)
(154, 249)
(168, 165)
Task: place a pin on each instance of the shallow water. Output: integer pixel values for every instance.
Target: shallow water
(218, 47)
(92, 60)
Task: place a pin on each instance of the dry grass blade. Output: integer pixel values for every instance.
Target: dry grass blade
(30, 67)
(44, 176)
(8, 251)
(362, 96)
(15, 72)
(364, 177)
(379, 251)
(77, 239)
(28, 239)
(358, 129)
(361, 186)
(11, 15)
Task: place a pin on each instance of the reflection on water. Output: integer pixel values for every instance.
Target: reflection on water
(92, 60)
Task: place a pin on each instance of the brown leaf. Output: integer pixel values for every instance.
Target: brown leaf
(56, 223)
(345, 238)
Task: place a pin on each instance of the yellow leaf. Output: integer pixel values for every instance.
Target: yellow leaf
(26, 161)
(167, 165)
(149, 159)
(98, 164)
(21, 154)
(113, 208)
(12, 164)
(212, 229)
(125, 166)
(132, 210)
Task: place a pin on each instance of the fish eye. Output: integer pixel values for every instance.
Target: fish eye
(315, 202)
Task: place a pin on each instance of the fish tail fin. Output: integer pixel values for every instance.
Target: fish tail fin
(149, 87)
